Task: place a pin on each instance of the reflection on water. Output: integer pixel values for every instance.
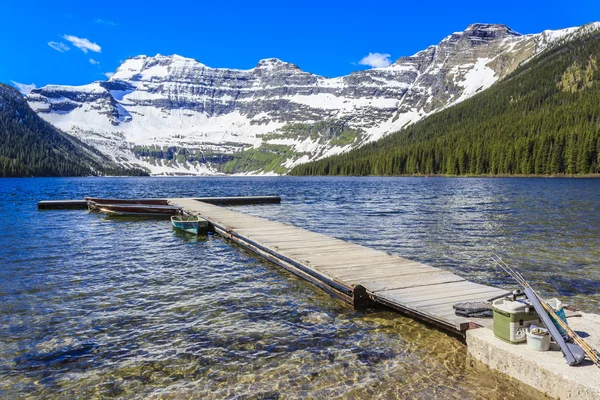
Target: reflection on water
(96, 307)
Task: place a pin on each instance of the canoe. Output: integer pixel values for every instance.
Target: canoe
(95, 202)
(139, 209)
(190, 223)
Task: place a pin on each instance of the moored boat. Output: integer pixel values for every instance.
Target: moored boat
(190, 223)
(95, 202)
(139, 209)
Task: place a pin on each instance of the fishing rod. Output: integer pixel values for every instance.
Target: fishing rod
(592, 354)
(572, 352)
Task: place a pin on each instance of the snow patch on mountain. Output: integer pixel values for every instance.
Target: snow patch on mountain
(478, 77)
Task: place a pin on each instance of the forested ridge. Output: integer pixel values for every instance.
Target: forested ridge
(542, 119)
(29, 146)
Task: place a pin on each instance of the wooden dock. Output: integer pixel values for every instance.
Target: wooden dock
(221, 201)
(355, 274)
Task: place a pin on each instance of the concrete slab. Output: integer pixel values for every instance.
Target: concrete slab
(546, 371)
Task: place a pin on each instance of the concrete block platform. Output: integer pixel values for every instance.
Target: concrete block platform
(546, 371)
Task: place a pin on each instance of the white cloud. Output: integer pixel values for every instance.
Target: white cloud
(59, 46)
(94, 62)
(23, 87)
(104, 21)
(376, 60)
(109, 74)
(82, 44)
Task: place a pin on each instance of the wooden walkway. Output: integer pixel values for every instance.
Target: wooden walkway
(220, 201)
(355, 274)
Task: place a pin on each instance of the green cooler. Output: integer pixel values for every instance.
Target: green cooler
(512, 318)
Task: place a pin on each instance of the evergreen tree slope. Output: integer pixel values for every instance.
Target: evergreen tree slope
(542, 119)
(29, 146)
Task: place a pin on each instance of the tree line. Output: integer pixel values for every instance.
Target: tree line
(542, 119)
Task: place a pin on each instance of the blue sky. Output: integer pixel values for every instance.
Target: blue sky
(77, 42)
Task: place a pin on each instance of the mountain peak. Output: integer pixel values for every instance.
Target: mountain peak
(157, 67)
(490, 30)
(274, 63)
(173, 57)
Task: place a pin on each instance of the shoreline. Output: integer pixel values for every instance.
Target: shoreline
(558, 176)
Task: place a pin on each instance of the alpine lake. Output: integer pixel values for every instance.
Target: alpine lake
(98, 307)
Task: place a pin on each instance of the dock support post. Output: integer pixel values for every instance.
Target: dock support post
(360, 297)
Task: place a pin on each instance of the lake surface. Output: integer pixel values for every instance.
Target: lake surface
(93, 307)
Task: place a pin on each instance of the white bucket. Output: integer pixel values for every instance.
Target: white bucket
(538, 342)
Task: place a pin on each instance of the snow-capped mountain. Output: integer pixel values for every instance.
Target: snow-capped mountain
(175, 115)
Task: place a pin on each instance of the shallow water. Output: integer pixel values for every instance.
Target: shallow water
(95, 307)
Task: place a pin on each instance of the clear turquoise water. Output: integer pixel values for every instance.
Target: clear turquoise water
(92, 307)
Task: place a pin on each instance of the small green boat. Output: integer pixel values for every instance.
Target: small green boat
(190, 223)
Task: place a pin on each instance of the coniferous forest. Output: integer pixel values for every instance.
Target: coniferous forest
(30, 146)
(542, 119)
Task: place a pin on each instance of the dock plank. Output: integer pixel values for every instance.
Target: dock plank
(433, 290)
(378, 278)
(454, 298)
(387, 268)
(425, 279)
(353, 267)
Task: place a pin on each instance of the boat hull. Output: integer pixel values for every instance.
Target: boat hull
(94, 203)
(193, 224)
(139, 209)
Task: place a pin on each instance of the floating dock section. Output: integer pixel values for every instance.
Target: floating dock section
(62, 205)
(221, 201)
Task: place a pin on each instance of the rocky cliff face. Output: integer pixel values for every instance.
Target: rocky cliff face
(174, 115)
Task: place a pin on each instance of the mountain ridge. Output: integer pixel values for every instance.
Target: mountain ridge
(175, 115)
